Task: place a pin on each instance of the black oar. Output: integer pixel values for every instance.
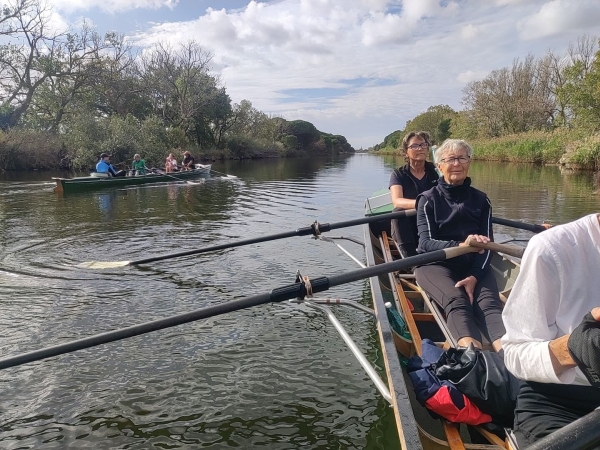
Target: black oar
(314, 229)
(296, 290)
(583, 434)
(521, 225)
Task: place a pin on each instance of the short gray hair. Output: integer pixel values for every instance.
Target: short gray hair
(452, 145)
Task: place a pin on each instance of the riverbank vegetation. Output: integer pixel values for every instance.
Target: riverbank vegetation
(544, 110)
(66, 97)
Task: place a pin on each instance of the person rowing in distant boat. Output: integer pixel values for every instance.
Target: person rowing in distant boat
(552, 320)
(138, 165)
(105, 167)
(447, 215)
(171, 164)
(406, 183)
(188, 161)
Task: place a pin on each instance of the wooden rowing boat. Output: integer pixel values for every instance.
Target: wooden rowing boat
(80, 184)
(416, 428)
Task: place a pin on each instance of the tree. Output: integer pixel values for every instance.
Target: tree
(117, 84)
(436, 121)
(69, 91)
(37, 54)
(511, 100)
(180, 87)
(561, 71)
(583, 90)
(464, 126)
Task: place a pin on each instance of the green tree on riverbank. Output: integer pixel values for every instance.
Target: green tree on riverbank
(65, 97)
(544, 110)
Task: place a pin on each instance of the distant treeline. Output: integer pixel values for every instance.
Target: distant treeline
(67, 97)
(544, 110)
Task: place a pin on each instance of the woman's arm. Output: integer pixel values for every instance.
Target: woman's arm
(398, 200)
(481, 261)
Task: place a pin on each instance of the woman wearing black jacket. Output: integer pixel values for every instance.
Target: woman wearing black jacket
(447, 215)
(406, 182)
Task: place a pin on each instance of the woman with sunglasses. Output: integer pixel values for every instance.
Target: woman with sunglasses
(406, 182)
(447, 215)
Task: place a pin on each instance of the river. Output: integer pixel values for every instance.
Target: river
(273, 377)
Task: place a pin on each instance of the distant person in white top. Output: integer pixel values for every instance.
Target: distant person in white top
(170, 163)
(552, 321)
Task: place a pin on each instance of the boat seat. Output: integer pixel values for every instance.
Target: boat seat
(99, 175)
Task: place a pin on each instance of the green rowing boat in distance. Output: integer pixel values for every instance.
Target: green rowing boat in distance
(80, 184)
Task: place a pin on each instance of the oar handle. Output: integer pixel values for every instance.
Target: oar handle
(512, 250)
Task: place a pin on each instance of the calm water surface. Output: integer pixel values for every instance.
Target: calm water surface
(273, 377)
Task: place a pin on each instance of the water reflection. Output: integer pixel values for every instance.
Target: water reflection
(282, 169)
(531, 192)
(273, 377)
(105, 203)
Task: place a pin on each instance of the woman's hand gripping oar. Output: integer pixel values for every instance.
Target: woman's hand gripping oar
(511, 250)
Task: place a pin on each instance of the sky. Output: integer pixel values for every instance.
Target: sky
(359, 68)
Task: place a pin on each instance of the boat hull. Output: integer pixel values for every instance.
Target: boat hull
(81, 184)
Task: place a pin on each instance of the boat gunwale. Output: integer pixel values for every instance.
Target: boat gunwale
(406, 423)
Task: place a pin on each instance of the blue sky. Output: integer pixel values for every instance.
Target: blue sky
(360, 68)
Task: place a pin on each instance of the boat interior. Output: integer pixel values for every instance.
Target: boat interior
(423, 318)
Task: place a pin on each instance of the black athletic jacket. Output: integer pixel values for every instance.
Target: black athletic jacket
(404, 178)
(446, 215)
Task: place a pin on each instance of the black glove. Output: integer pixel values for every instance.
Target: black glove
(584, 347)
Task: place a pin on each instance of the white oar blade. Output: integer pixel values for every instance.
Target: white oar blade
(103, 264)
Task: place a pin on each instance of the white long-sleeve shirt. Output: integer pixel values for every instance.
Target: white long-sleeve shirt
(558, 284)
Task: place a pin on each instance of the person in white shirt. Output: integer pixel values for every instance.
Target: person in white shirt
(552, 322)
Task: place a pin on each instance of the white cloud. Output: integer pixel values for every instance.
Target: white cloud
(111, 6)
(470, 75)
(368, 65)
(383, 28)
(558, 16)
(469, 32)
(509, 2)
(414, 10)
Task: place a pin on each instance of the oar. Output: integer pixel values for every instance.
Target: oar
(315, 229)
(581, 434)
(296, 290)
(175, 178)
(512, 250)
(224, 174)
(521, 225)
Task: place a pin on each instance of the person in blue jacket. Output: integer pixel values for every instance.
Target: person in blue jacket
(104, 166)
(447, 215)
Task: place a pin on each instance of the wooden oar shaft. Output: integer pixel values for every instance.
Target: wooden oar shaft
(306, 231)
(512, 250)
(276, 295)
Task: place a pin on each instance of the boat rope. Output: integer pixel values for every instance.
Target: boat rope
(315, 229)
(305, 280)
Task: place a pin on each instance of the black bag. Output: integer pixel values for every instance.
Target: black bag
(482, 376)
